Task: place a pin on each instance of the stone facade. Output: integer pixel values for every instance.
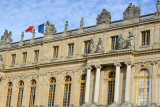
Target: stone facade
(126, 61)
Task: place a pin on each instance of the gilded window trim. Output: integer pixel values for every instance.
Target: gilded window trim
(82, 81)
(20, 86)
(8, 101)
(54, 83)
(70, 82)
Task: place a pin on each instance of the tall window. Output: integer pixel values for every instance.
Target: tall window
(82, 89)
(52, 92)
(143, 88)
(114, 43)
(145, 38)
(13, 59)
(110, 88)
(32, 93)
(70, 49)
(86, 47)
(24, 57)
(9, 94)
(55, 53)
(67, 91)
(36, 55)
(20, 94)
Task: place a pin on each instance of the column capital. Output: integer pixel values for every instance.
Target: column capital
(128, 63)
(88, 67)
(117, 64)
(98, 66)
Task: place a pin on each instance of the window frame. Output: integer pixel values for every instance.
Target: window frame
(88, 46)
(55, 52)
(13, 59)
(70, 49)
(115, 42)
(146, 38)
(69, 83)
(36, 56)
(9, 94)
(82, 81)
(31, 87)
(113, 87)
(54, 92)
(24, 61)
(20, 94)
(138, 82)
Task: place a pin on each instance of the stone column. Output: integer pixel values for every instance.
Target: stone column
(97, 83)
(128, 80)
(88, 81)
(117, 82)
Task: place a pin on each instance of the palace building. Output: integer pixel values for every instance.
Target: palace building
(114, 64)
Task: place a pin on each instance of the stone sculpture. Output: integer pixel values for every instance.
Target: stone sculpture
(158, 5)
(120, 42)
(22, 36)
(50, 29)
(81, 23)
(66, 26)
(131, 41)
(104, 17)
(126, 44)
(100, 47)
(33, 34)
(1, 62)
(131, 12)
(6, 38)
(92, 46)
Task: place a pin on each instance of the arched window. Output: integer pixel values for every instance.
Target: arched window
(82, 89)
(32, 93)
(52, 88)
(9, 94)
(110, 88)
(67, 91)
(20, 94)
(143, 87)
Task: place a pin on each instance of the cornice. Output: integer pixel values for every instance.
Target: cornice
(83, 60)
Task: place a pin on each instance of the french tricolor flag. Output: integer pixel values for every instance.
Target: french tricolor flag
(40, 28)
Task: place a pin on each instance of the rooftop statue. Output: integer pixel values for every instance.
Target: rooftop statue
(6, 38)
(131, 12)
(66, 26)
(50, 29)
(158, 5)
(22, 36)
(82, 23)
(104, 17)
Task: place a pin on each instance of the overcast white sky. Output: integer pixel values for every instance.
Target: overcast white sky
(18, 15)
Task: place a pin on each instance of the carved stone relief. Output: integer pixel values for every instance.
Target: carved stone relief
(92, 46)
(143, 65)
(104, 17)
(132, 11)
(100, 46)
(96, 49)
(126, 44)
